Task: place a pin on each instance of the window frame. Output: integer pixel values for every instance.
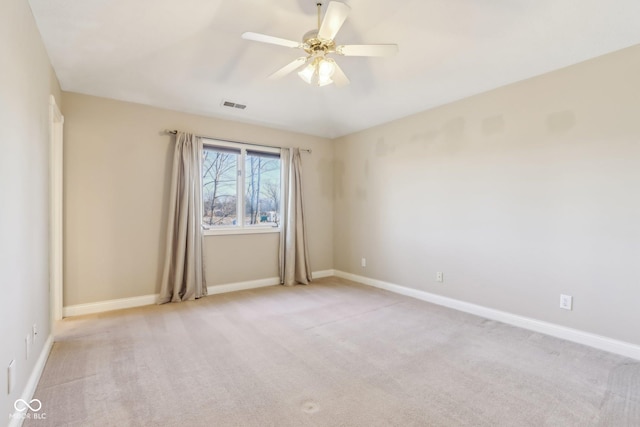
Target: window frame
(240, 227)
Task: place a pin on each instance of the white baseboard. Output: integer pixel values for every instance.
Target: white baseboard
(597, 341)
(34, 378)
(322, 274)
(242, 286)
(110, 305)
(118, 304)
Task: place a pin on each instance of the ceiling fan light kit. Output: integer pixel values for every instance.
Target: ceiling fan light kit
(321, 70)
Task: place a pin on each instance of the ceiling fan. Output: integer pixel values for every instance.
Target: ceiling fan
(318, 44)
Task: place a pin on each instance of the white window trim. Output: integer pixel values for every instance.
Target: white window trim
(242, 228)
(225, 231)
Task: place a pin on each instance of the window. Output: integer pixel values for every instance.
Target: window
(240, 187)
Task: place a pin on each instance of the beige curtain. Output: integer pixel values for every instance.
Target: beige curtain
(183, 277)
(294, 255)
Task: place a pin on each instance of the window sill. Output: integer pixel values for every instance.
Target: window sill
(246, 230)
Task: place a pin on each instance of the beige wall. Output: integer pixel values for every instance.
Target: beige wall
(117, 172)
(26, 82)
(517, 195)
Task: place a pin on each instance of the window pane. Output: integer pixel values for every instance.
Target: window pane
(262, 189)
(219, 186)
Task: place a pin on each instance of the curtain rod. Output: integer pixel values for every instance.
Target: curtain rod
(174, 132)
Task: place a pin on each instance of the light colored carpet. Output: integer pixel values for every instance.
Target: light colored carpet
(334, 353)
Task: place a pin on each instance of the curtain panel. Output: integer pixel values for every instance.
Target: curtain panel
(294, 254)
(183, 276)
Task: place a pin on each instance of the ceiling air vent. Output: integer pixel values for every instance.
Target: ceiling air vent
(233, 105)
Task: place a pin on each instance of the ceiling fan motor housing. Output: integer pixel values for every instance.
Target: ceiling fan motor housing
(314, 45)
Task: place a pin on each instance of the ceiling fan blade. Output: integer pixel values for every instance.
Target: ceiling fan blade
(292, 66)
(257, 37)
(333, 19)
(367, 49)
(339, 78)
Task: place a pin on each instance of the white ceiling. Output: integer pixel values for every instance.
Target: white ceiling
(188, 56)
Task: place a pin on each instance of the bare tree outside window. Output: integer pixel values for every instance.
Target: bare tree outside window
(262, 182)
(219, 186)
(272, 190)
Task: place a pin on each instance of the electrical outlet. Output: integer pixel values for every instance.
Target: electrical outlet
(566, 302)
(439, 276)
(11, 376)
(363, 263)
